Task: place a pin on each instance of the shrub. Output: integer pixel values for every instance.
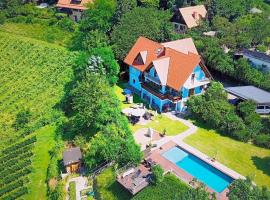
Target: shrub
(242, 135)
(72, 190)
(262, 140)
(157, 173)
(2, 18)
(59, 193)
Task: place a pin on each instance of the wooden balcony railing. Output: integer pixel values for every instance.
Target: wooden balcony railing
(155, 91)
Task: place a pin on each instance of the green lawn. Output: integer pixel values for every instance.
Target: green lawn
(40, 32)
(45, 142)
(108, 188)
(169, 189)
(161, 122)
(244, 158)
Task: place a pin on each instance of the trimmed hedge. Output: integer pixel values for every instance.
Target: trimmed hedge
(72, 190)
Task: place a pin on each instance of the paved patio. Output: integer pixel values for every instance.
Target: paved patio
(81, 184)
(142, 138)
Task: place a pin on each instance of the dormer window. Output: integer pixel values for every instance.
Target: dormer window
(141, 58)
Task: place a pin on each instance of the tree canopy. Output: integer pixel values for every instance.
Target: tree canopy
(99, 16)
(148, 22)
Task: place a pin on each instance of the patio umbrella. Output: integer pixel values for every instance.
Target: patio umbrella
(127, 111)
(150, 132)
(127, 91)
(138, 112)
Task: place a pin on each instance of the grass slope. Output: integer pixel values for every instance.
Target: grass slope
(170, 189)
(37, 31)
(33, 76)
(244, 158)
(45, 142)
(108, 188)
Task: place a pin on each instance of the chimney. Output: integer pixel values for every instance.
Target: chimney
(160, 51)
(195, 15)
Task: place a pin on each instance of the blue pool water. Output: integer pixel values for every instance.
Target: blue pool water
(199, 169)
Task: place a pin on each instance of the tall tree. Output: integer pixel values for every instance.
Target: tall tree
(94, 103)
(123, 7)
(98, 16)
(147, 22)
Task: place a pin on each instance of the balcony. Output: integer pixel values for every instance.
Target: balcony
(155, 90)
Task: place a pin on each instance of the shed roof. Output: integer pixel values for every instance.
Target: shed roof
(256, 54)
(250, 93)
(72, 155)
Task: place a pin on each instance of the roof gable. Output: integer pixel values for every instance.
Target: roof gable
(173, 65)
(162, 67)
(184, 45)
(191, 15)
(72, 155)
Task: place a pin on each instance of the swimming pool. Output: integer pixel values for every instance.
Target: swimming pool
(199, 169)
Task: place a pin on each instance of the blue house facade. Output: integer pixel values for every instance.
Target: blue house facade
(168, 78)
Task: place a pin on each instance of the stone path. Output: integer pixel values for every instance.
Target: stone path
(81, 184)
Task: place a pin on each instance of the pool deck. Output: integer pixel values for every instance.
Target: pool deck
(168, 142)
(168, 166)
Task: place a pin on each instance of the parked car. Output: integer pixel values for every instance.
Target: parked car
(263, 109)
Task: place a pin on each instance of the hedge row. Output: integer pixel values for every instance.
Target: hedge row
(16, 194)
(10, 187)
(15, 154)
(12, 177)
(14, 168)
(14, 161)
(19, 145)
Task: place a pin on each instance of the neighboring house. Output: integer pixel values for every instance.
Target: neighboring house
(257, 59)
(188, 17)
(167, 74)
(259, 96)
(73, 8)
(72, 159)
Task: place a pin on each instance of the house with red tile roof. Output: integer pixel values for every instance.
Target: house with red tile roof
(166, 74)
(73, 8)
(188, 17)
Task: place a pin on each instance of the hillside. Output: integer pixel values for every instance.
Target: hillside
(33, 78)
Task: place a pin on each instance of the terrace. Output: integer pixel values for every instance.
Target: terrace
(134, 179)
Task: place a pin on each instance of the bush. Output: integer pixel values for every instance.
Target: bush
(59, 193)
(2, 18)
(244, 189)
(72, 190)
(262, 140)
(157, 173)
(66, 24)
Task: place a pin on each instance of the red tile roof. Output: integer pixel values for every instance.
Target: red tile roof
(81, 5)
(180, 67)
